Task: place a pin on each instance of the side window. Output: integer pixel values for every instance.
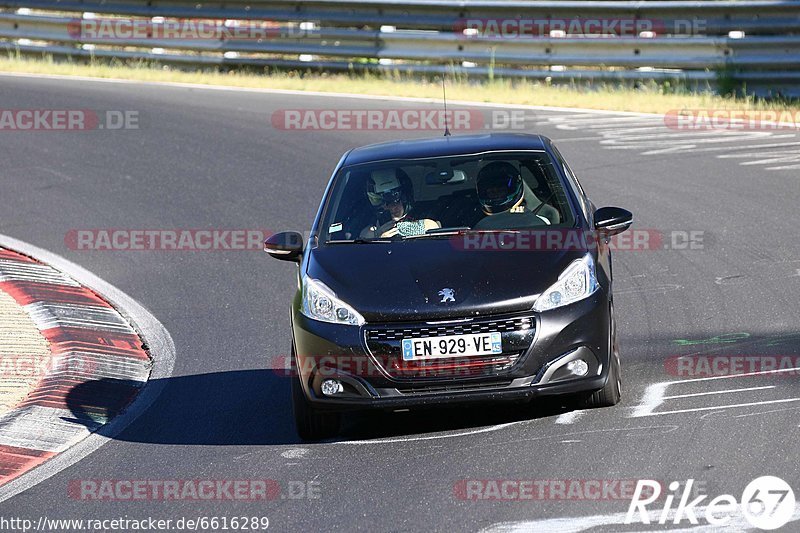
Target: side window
(573, 183)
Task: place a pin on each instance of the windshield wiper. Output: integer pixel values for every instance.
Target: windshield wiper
(438, 232)
(358, 241)
(447, 230)
(494, 231)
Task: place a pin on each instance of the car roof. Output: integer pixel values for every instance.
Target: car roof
(445, 146)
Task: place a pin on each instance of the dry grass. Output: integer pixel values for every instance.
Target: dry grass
(653, 98)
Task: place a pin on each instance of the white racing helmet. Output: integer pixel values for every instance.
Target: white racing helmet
(384, 186)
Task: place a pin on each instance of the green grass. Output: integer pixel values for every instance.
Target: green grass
(652, 98)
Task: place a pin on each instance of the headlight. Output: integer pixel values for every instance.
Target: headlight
(577, 282)
(320, 303)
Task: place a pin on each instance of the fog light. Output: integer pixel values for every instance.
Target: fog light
(578, 367)
(331, 386)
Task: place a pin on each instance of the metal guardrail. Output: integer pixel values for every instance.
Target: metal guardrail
(691, 41)
(720, 16)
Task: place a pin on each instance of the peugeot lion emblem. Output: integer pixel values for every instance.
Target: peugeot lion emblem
(448, 295)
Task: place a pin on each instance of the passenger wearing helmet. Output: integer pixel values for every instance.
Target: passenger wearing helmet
(390, 192)
(506, 200)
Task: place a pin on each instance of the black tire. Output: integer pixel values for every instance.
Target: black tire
(312, 423)
(612, 392)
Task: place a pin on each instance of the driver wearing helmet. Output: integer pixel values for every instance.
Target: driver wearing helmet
(390, 191)
(503, 197)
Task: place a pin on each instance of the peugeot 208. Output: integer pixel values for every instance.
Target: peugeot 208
(451, 270)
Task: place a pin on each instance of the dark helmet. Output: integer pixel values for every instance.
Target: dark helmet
(499, 187)
(389, 185)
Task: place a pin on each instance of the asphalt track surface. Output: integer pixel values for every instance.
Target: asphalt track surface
(210, 159)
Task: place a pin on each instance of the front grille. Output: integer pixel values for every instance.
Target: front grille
(462, 328)
(384, 343)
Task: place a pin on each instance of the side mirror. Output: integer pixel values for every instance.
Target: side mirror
(286, 246)
(612, 220)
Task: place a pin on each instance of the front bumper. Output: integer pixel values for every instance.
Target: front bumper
(331, 351)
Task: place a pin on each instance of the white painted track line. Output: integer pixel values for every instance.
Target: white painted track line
(721, 407)
(569, 418)
(432, 437)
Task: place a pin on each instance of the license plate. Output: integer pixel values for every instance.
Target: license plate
(452, 346)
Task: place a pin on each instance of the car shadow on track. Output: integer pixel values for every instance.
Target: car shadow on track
(254, 407)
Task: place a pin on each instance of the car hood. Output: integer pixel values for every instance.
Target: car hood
(402, 281)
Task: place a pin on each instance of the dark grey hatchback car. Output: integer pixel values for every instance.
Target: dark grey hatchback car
(451, 270)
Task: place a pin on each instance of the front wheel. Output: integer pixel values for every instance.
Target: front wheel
(312, 423)
(611, 393)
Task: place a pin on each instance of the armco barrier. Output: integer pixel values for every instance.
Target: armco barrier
(756, 42)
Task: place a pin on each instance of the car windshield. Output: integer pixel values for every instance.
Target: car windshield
(427, 198)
